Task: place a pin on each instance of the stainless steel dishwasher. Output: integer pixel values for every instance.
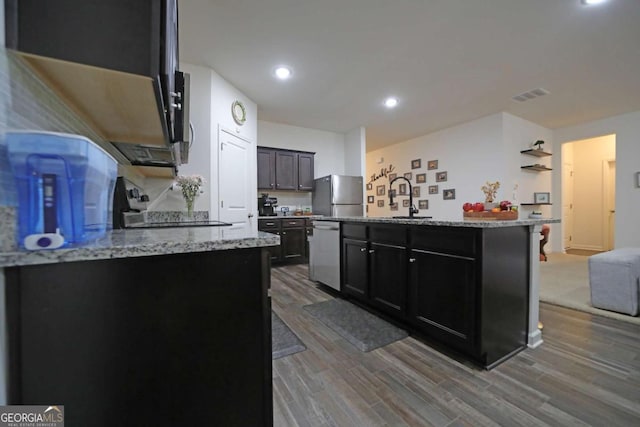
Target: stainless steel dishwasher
(324, 253)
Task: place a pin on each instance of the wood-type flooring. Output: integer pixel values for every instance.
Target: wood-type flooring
(587, 372)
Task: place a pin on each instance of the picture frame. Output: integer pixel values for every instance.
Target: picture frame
(432, 165)
(433, 189)
(393, 206)
(402, 189)
(369, 186)
(408, 175)
(416, 191)
(405, 203)
(416, 164)
(421, 178)
(541, 198)
(381, 203)
(423, 204)
(370, 199)
(441, 176)
(392, 193)
(392, 176)
(449, 194)
(380, 190)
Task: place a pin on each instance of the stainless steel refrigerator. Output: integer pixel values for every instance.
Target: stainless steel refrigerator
(338, 195)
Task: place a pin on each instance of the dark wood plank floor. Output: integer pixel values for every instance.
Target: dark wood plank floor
(587, 372)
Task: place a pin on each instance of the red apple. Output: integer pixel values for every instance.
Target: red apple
(504, 205)
(467, 207)
(478, 207)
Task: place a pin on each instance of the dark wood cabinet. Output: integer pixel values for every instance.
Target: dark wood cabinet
(266, 169)
(293, 238)
(286, 170)
(442, 297)
(305, 171)
(388, 277)
(355, 268)
(167, 340)
(463, 287)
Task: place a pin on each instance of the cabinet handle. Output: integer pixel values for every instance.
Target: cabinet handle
(412, 260)
(292, 222)
(371, 251)
(363, 249)
(284, 232)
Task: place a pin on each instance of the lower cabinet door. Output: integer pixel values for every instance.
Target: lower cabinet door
(442, 297)
(355, 268)
(388, 278)
(292, 243)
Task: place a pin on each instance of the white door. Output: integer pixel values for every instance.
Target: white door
(567, 203)
(236, 180)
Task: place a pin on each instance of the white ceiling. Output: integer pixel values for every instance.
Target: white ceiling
(448, 61)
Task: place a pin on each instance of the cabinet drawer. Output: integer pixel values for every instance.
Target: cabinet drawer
(356, 231)
(449, 240)
(290, 223)
(269, 224)
(389, 234)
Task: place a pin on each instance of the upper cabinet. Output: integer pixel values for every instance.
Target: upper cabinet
(284, 169)
(115, 63)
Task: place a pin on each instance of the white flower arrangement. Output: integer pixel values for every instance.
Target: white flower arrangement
(190, 185)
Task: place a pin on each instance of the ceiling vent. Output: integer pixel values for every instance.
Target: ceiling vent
(534, 93)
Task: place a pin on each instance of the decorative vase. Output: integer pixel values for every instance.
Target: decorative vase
(189, 207)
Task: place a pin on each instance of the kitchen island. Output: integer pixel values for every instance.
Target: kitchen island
(467, 286)
(143, 327)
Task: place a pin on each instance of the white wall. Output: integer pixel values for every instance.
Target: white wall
(588, 196)
(626, 128)
(355, 152)
(329, 158)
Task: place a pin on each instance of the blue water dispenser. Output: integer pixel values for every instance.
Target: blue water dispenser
(65, 186)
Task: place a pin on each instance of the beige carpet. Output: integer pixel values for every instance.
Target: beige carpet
(564, 281)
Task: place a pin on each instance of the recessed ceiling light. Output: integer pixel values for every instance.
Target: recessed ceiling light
(283, 73)
(390, 102)
(592, 2)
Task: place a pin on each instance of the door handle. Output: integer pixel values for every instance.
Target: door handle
(612, 211)
(363, 249)
(250, 215)
(412, 260)
(371, 251)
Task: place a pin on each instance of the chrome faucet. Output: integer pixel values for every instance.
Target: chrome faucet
(412, 208)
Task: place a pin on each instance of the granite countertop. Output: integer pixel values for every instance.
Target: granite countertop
(447, 223)
(292, 217)
(146, 242)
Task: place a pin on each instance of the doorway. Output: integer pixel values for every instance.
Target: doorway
(588, 194)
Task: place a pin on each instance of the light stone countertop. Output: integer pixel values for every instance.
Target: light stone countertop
(441, 223)
(146, 242)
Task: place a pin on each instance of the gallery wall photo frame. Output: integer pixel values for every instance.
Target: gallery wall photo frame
(409, 176)
(369, 186)
(381, 203)
(402, 189)
(542, 198)
(441, 176)
(432, 165)
(433, 189)
(416, 164)
(421, 178)
(423, 204)
(416, 191)
(449, 194)
(393, 206)
(370, 199)
(405, 203)
(392, 176)
(380, 190)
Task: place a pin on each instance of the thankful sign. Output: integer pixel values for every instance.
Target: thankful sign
(383, 173)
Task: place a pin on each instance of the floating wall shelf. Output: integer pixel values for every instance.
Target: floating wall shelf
(536, 153)
(536, 168)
